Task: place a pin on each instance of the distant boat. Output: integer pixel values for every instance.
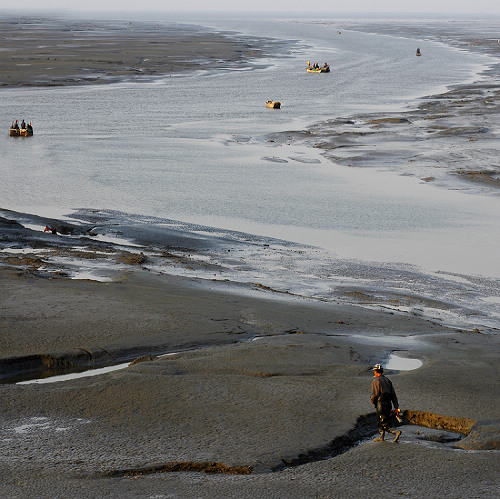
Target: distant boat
(317, 69)
(21, 132)
(273, 104)
(418, 52)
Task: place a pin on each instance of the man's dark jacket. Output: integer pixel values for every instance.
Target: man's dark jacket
(381, 385)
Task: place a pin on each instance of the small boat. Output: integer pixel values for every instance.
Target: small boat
(26, 132)
(317, 69)
(418, 52)
(273, 104)
(21, 132)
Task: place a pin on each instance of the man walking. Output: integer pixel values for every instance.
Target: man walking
(383, 398)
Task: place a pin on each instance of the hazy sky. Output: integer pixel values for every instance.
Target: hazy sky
(449, 7)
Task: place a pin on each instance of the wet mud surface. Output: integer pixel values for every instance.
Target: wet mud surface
(105, 245)
(449, 139)
(444, 430)
(280, 404)
(49, 52)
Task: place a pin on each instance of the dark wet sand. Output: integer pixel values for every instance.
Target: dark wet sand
(295, 394)
(225, 399)
(48, 52)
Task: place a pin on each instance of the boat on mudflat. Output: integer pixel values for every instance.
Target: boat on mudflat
(273, 104)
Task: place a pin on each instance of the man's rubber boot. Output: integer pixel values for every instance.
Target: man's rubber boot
(396, 438)
(380, 437)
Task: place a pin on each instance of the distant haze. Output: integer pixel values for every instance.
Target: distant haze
(449, 7)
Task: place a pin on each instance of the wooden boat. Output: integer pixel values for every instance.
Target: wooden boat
(21, 132)
(418, 52)
(273, 104)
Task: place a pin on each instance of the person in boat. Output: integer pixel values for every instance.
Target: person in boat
(15, 125)
(383, 398)
(23, 124)
(29, 128)
(325, 66)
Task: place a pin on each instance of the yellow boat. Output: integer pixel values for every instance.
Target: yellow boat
(323, 69)
(273, 104)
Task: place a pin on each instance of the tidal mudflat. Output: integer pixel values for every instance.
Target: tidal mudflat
(58, 52)
(266, 393)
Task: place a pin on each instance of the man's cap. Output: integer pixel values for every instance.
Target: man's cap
(377, 367)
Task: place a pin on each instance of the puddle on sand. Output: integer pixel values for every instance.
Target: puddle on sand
(70, 376)
(397, 363)
(84, 374)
